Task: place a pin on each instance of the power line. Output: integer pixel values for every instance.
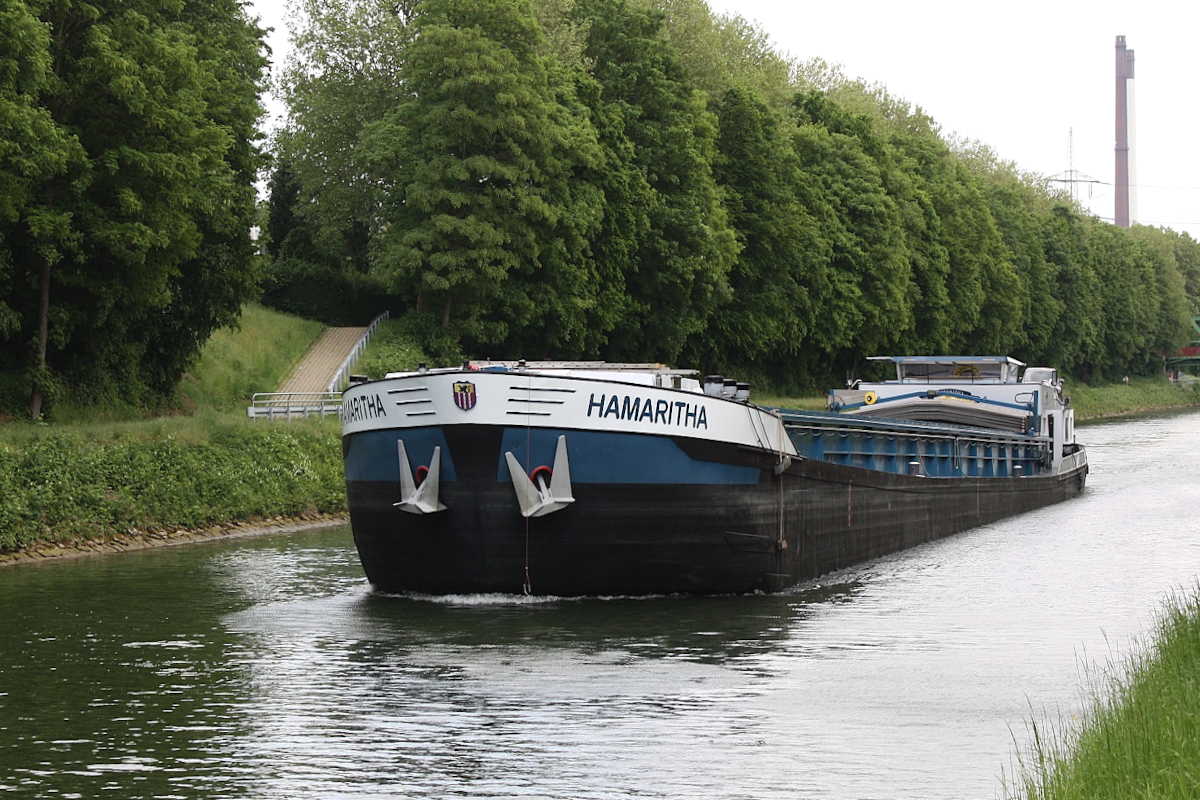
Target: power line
(1080, 177)
(1073, 177)
(1146, 221)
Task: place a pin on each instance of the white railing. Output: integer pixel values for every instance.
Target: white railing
(299, 405)
(342, 377)
(294, 405)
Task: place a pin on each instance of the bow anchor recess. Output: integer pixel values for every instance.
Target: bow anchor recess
(421, 499)
(538, 499)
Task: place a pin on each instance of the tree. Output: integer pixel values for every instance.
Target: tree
(678, 269)
(1074, 344)
(719, 52)
(342, 77)
(34, 149)
(866, 304)
(207, 291)
(1170, 327)
(488, 220)
(157, 102)
(770, 309)
(1021, 209)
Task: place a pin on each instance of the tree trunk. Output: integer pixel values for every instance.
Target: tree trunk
(446, 314)
(35, 403)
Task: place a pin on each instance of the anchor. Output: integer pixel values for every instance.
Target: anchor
(538, 499)
(421, 499)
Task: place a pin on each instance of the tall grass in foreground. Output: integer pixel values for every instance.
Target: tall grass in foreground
(1141, 736)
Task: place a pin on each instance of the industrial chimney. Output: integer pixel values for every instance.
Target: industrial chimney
(1125, 203)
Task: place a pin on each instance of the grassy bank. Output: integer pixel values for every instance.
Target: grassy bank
(1141, 394)
(1141, 736)
(73, 484)
(101, 472)
(256, 357)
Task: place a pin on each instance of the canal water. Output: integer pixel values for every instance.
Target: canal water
(266, 668)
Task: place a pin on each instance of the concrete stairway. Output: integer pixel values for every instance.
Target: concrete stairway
(320, 365)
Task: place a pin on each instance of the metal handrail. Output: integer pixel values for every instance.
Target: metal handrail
(342, 376)
(291, 405)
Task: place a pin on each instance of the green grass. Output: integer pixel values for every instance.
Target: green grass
(256, 357)
(390, 350)
(1142, 394)
(87, 482)
(781, 401)
(1141, 736)
(99, 472)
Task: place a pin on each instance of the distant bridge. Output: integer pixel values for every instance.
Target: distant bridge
(1187, 356)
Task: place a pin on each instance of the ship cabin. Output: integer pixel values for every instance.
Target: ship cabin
(954, 369)
(978, 392)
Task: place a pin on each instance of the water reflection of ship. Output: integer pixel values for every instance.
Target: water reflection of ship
(714, 629)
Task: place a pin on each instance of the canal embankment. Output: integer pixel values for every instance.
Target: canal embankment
(76, 489)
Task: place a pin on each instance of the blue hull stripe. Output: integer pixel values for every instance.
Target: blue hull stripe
(618, 458)
(373, 456)
(596, 458)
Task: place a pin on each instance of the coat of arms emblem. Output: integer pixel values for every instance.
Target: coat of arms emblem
(464, 395)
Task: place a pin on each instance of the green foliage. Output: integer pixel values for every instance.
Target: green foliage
(326, 294)
(650, 181)
(770, 309)
(863, 303)
(488, 223)
(341, 79)
(677, 270)
(60, 486)
(393, 348)
(1016, 209)
(719, 53)
(128, 228)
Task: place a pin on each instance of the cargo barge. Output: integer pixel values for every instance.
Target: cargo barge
(568, 479)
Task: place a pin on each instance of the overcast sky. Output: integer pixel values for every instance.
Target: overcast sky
(1021, 76)
(1025, 77)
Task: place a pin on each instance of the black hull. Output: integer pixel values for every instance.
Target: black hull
(635, 539)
